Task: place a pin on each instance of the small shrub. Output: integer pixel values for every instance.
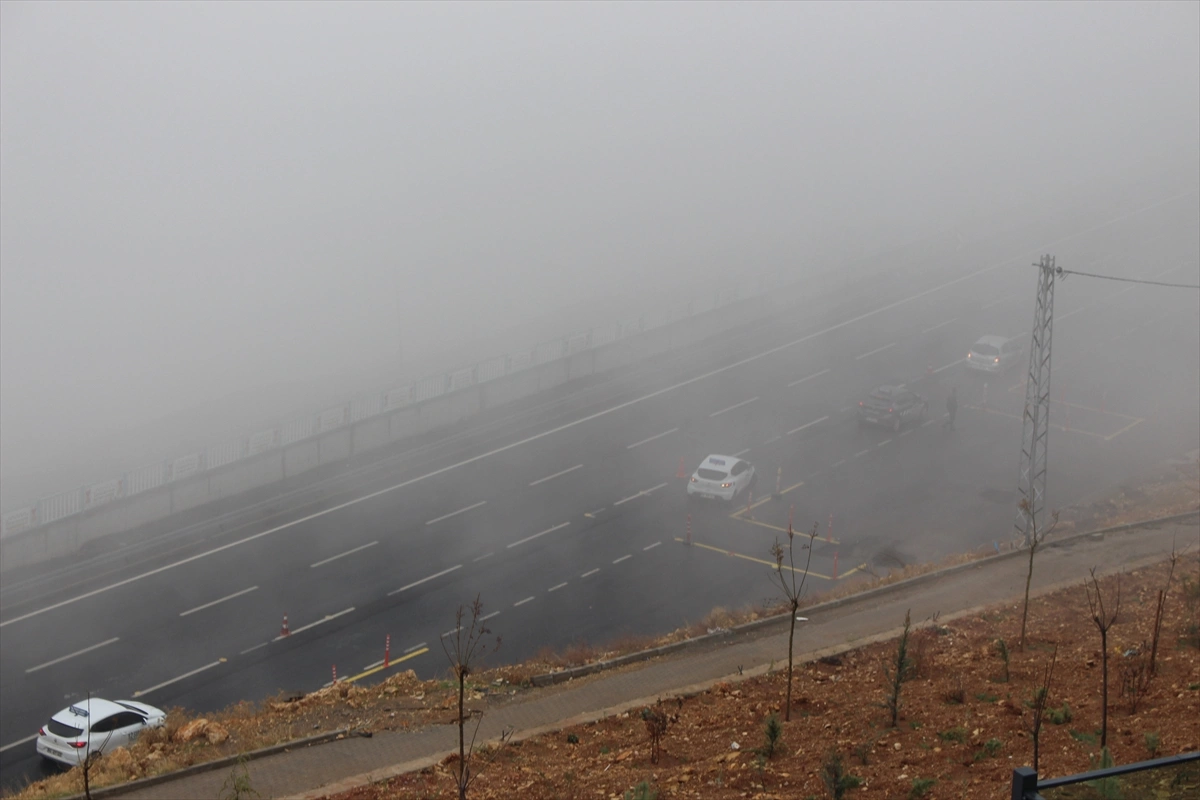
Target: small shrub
(956, 696)
(989, 750)
(774, 734)
(643, 791)
(1002, 651)
(986, 697)
(1106, 788)
(1059, 716)
(1085, 738)
(1152, 744)
(237, 785)
(863, 752)
(921, 787)
(572, 739)
(953, 735)
(835, 777)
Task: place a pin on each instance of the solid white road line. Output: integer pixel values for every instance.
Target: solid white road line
(214, 602)
(808, 378)
(414, 648)
(640, 494)
(72, 655)
(559, 526)
(522, 602)
(321, 621)
(651, 546)
(622, 558)
(732, 407)
(342, 555)
(939, 325)
(590, 572)
(651, 439)
(456, 513)
(252, 649)
(555, 475)
(176, 680)
(556, 588)
(597, 415)
(486, 617)
(876, 350)
(806, 425)
(423, 580)
(18, 742)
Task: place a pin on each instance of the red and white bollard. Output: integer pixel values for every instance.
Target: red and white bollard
(387, 651)
(779, 483)
(835, 564)
(335, 673)
(791, 511)
(284, 630)
(689, 529)
(829, 531)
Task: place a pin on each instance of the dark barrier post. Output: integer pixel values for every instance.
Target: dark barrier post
(1024, 783)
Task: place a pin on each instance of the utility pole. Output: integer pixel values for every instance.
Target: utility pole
(1036, 420)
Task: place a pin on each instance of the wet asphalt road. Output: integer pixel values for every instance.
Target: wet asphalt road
(565, 517)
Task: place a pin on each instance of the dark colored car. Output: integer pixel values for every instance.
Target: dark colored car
(892, 406)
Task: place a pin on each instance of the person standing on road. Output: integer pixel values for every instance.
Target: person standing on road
(951, 408)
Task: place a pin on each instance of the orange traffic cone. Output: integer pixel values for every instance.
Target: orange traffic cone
(682, 471)
(284, 630)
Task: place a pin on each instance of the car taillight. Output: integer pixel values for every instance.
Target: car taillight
(78, 744)
(41, 731)
(726, 485)
(890, 410)
(997, 359)
(968, 355)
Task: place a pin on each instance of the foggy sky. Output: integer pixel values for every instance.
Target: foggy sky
(200, 201)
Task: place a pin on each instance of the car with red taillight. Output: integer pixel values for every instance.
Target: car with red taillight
(892, 407)
(94, 725)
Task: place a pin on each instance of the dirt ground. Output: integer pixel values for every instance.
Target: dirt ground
(964, 720)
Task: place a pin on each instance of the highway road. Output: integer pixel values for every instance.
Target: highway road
(566, 517)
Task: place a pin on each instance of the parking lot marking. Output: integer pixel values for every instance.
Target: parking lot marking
(939, 325)
(18, 742)
(732, 407)
(456, 513)
(423, 580)
(651, 546)
(642, 493)
(651, 438)
(214, 602)
(806, 425)
(1112, 436)
(1052, 425)
(72, 655)
(342, 555)
(556, 475)
(876, 350)
(808, 378)
(559, 526)
(770, 564)
(622, 558)
(155, 688)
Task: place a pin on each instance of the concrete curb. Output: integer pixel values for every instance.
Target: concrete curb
(209, 766)
(552, 678)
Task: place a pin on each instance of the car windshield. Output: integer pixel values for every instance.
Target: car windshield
(710, 474)
(985, 349)
(65, 731)
(881, 397)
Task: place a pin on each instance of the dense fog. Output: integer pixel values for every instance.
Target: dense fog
(214, 216)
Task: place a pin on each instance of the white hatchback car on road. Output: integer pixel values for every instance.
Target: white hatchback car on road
(721, 477)
(994, 354)
(94, 726)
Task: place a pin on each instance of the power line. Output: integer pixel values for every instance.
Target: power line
(1065, 272)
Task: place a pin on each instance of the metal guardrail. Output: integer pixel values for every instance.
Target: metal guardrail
(1104, 783)
(85, 498)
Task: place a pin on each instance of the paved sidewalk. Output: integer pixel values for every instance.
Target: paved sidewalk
(323, 769)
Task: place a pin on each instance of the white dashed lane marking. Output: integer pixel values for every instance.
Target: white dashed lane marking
(651, 438)
(732, 407)
(61, 659)
(456, 513)
(556, 475)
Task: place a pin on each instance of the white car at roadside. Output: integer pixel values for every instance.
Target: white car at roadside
(994, 354)
(94, 726)
(720, 477)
